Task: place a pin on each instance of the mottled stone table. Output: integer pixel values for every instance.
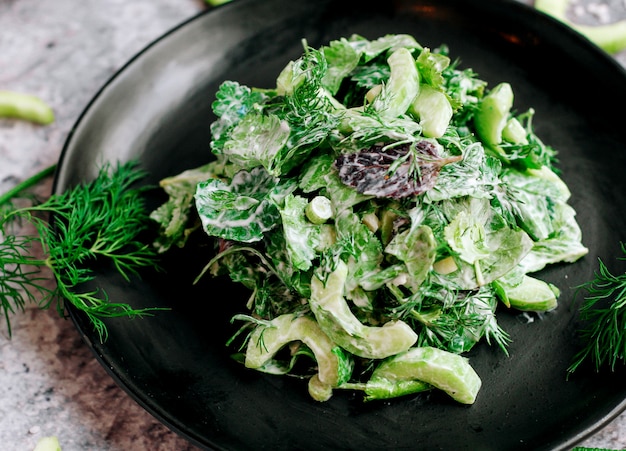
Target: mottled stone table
(63, 51)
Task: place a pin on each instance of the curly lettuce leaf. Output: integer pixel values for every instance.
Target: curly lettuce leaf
(486, 246)
(174, 215)
(233, 101)
(388, 43)
(342, 59)
(319, 175)
(431, 66)
(564, 245)
(536, 193)
(416, 248)
(302, 237)
(241, 210)
(296, 280)
(256, 141)
(359, 247)
(474, 175)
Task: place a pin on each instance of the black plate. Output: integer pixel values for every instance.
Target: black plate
(157, 109)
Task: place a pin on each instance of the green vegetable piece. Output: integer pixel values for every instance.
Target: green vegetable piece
(256, 141)
(288, 80)
(433, 109)
(389, 381)
(514, 132)
(529, 295)
(327, 237)
(417, 248)
(16, 105)
(610, 37)
(302, 238)
(418, 369)
(487, 247)
(563, 246)
(319, 174)
(174, 215)
(402, 87)
(228, 211)
(342, 58)
(445, 266)
(389, 42)
(319, 210)
(381, 388)
(431, 66)
(266, 340)
(48, 444)
(388, 216)
(492, 115)
(318, 390)
(232, 103)
(561, 191)
(339, 323)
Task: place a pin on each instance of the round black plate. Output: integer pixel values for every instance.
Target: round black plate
(175, 364)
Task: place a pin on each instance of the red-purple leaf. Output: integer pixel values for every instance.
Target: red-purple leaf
(395, 172)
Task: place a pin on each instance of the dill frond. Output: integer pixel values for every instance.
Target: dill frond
(102, 220)
(604, 314)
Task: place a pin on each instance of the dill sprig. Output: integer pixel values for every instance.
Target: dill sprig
(92, 223)
(604, 314)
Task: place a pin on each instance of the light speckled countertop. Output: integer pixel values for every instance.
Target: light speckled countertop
(64, 51)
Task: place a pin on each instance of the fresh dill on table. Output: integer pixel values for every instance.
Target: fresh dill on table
(603, 313)
(99, 221)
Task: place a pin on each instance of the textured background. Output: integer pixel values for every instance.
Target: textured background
(63, 51)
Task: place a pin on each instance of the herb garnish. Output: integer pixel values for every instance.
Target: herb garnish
(102, 220)
(604, 312)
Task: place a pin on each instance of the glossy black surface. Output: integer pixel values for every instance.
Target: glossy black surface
(157, 109)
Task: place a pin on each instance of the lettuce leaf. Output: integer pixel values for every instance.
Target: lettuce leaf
(241, 210)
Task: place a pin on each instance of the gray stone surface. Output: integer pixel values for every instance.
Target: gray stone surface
(63, 51)
(50, 383)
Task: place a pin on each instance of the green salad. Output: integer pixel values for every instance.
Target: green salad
(381, 203)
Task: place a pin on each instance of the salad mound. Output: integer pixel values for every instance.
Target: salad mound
(380, 202)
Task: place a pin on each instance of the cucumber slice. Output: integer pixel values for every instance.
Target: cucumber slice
(434, 111)
(419, 368)
(402, 86)
(514, 132)
(319, 210)
(530, 295)
(492, 115)
(266, 341)
(337, 320)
